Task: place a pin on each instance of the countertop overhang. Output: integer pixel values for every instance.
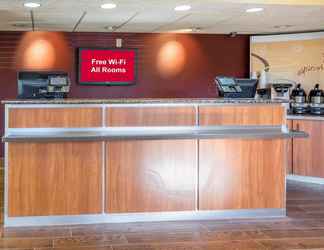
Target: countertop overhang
(147, 132)
(150, 133)
(305, 117)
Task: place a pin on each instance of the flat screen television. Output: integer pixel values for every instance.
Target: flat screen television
(104, 66)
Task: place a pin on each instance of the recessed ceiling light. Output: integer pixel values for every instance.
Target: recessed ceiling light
(251, 10)
(182, 8)
(108, 6)
(32, 5)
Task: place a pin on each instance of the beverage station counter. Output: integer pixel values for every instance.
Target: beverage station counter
(307, 114)
(92, 161)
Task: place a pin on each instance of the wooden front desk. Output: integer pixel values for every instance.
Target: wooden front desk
(153, 179)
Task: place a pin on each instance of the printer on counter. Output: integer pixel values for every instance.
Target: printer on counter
(230, 87)
(38, 85)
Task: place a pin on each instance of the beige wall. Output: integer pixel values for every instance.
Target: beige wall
(298, 60)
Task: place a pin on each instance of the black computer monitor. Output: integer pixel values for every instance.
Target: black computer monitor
(248, 86)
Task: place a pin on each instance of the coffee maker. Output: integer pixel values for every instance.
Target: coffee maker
(281, 91)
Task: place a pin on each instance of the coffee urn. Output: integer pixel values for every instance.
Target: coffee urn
(299, 103)
(316, 100)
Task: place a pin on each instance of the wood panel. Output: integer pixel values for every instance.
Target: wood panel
(55, 117)
(241, 174)
(55, 178)
(151, 116)
(151, 176)
(290, 150)
(242, 115)
(308, 155)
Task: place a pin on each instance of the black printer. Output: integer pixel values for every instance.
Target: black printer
(38, 85)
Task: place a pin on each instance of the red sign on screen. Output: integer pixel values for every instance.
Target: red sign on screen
(107, 66)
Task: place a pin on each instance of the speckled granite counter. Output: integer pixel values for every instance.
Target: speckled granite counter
(143, 101)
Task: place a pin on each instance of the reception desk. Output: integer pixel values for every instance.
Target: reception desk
(93, 161)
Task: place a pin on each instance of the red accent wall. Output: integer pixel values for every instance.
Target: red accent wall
(185, 70)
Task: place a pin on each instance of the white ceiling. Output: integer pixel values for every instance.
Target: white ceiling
(211, 16)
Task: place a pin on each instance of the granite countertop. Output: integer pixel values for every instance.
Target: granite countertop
(143, 101)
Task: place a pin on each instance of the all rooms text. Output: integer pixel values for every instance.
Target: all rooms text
(108, 66)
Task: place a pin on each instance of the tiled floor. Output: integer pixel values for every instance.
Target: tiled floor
(302, 229)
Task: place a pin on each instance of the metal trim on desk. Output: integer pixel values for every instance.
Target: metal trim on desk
(308, 179)
(143, 217)
(6, 166)
(6, 181)
(306, 117)
(149, 133)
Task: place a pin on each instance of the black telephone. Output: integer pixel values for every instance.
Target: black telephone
(230, 87)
